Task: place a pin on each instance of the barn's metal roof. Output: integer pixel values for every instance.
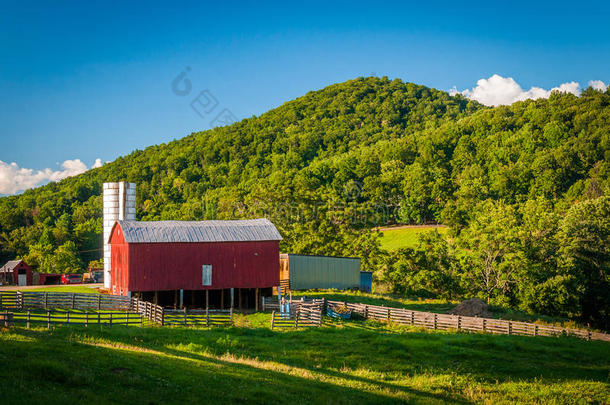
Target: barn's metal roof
(9, 266)
(199, 231)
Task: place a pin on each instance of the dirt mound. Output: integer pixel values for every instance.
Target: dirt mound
(472, 307)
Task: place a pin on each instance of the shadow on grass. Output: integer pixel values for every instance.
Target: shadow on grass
(378, 349)
(77, 366)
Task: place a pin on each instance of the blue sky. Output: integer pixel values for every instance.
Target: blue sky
(84, 81)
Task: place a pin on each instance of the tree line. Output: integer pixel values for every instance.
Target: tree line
(523, 189)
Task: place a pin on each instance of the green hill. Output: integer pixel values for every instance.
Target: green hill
(515, 185)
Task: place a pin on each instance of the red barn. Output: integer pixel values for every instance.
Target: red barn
(16, 272)
(195, 262)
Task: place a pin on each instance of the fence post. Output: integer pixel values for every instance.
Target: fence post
(86, 319)
(231, 314)
(366, 311)
(184, 316)
(207, 316)
(99, 319)
(412, 317)
(484, 325)
(127, 318)
(272, 319)
(435, 316)
(68, 318)
(510, 328)
(0, 300)
(99, 302)
(20, 299)
(73, 299)
(459, 322)
(48, 319)
(28, 325)
(296, 321)
(110, 320)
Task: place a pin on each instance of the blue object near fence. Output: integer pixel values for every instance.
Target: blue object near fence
(366, 281)
(333, 314)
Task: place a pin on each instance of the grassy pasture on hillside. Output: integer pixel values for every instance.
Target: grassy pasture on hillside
(351, 362)
(429, 305)
(394, 238)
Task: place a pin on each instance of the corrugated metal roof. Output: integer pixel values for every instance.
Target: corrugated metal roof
(199, 231)
(9, 266)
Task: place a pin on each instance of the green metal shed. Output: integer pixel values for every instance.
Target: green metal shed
(310, 272)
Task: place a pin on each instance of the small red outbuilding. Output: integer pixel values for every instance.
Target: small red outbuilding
(176, 262)
(16, 272)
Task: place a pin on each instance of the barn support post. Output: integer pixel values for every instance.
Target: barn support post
(156, 299)
(232, 297)
(181, 298)
(239, 297)
(256, 299)
(207, 300)
(222, 298)
(175, 299)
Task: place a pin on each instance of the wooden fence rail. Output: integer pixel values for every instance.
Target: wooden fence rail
(432, 320)
(52, 317)
(50, 300)
(306, 315)
(190, 317)
(152, 312)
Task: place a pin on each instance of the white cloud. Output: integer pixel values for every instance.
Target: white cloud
(598, 85)
(98, 163)
(498, 90)
(14, 178)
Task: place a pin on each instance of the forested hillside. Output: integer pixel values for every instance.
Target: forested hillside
(524, 189)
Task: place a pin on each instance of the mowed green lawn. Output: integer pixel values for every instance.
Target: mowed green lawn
(339, 363)
(406, 237)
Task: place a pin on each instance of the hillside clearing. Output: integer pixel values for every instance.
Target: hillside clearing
(363, 362)
(399, 237)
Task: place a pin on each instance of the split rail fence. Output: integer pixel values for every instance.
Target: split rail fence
(52, 308)
(192, 317)
(53, 317)
(432, 320)
(51, 300)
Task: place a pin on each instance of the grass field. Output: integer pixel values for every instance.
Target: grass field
(82, 288)
(351, 362)
(407, 236)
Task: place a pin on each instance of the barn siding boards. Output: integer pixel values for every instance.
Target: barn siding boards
(311, 272)
(166, 266)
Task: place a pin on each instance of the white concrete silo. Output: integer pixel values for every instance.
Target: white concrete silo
(119, 204)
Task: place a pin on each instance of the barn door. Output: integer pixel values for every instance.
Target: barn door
(22, 278)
